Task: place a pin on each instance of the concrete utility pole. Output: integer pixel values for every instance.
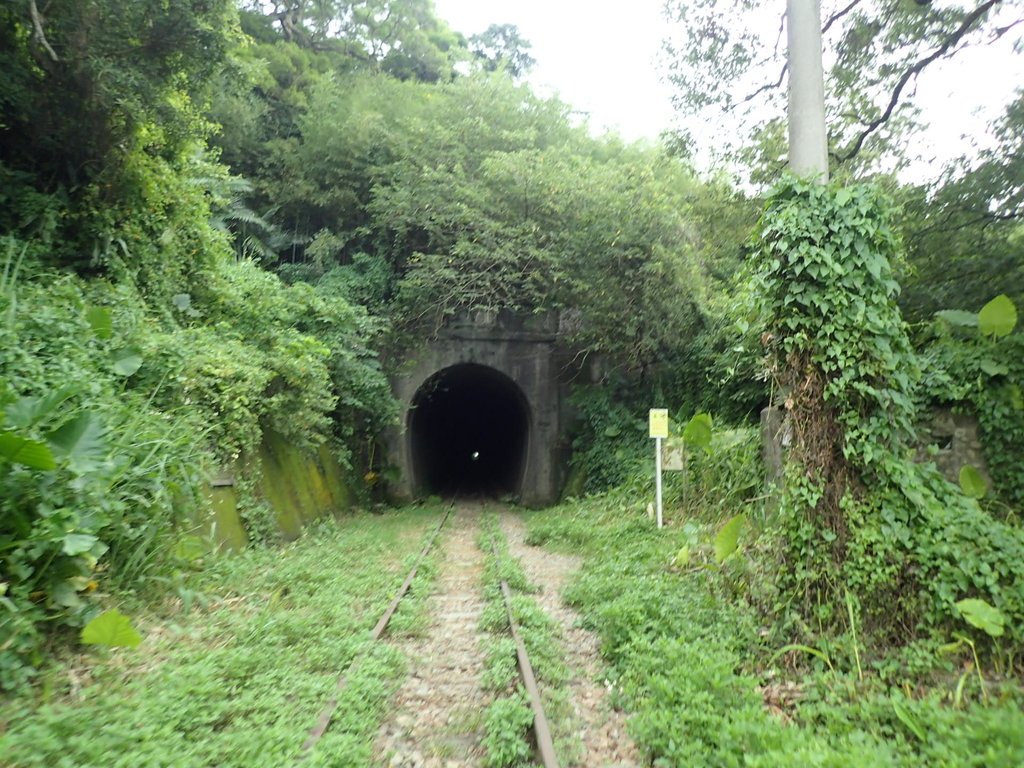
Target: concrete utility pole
(808, 142)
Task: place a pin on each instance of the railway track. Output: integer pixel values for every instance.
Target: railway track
(542, 737)
(541, 729)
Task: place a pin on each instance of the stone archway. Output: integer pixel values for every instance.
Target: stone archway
(502, 370)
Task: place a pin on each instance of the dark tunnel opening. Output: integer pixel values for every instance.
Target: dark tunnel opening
(468, 430)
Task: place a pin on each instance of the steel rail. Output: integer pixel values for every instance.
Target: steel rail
(323, 722)
(541, 729)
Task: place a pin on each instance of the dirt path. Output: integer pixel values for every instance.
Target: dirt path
(602, 730)
(436, 716)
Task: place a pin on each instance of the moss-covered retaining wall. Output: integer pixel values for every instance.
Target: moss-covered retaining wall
(298, 486)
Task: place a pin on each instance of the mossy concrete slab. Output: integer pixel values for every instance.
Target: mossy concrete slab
(301, 487)
(226, 526)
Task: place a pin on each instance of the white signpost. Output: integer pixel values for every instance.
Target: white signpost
(658, 419)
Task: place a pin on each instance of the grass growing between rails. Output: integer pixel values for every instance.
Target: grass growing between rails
(509, 717)
(241, 678)
(700, 670)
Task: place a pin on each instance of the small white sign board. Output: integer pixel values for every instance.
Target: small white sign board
(672, 455)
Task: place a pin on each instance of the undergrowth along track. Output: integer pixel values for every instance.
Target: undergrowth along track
(327, 713)
(518, 726)
(541, 730)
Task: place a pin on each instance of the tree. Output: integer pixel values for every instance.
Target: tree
(965, 237)
(402, 37)
(83, 78)
(729, 60)
(502, 47)
(101, 123)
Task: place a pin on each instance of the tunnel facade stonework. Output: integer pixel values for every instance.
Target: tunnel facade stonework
(521, 349)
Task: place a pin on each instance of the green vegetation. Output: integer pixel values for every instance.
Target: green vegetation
(134, 347)
(234, 669)
(868, 608)
(706, 680)
(232, 222)
(223, 224)
(855, 514)
(140, 403)
(983, 371)
(963, 226)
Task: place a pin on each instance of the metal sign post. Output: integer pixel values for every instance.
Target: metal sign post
(659, 431)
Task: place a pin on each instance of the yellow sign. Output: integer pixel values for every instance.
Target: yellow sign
(659, 422)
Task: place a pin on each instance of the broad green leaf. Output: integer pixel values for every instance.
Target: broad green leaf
(77, 543)
(958, 317)
(100, 321)
(65, 594)
(842, 197)
(29, 453)
(22, 413)
(697, 432)
(992, 368)
(1016, 397)
(985, 617)
(127, 361)
(728, 538)
(972, 483)
(112, 629)
(80, 441)
(29, 411)
(612, 431)
(998, 317)
(182, 301)
(908, 719)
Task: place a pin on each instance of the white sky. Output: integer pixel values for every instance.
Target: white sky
(596, 54)
(600, 57)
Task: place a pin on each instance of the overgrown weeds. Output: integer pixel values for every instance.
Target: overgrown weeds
(240, 678)
(698, 666)
(855, 513)
(114, 411)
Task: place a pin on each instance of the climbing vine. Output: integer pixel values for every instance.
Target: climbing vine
(856, 514)
(836, 345)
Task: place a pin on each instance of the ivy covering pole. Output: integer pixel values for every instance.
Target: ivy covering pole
(808, 143)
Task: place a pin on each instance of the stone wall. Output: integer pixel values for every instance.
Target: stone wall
(299, 487)
(951, 440)
(956, 441)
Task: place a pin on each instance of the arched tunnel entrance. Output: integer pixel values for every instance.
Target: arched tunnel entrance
(469, 428)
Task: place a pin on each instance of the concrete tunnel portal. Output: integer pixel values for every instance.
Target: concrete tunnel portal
(489, 383)
(469, 432)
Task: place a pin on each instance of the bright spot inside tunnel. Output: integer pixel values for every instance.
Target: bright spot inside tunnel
(468, 430)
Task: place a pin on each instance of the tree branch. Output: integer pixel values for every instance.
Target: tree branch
(1000, 31)
(838, 15)
(946, 225)
(913, 71)
(779, 35)
(767, 86)
(37, 26)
